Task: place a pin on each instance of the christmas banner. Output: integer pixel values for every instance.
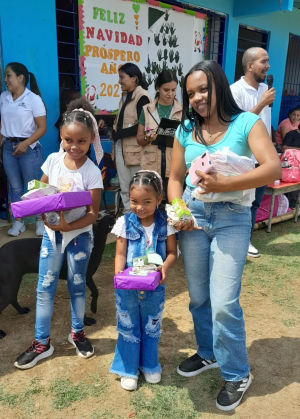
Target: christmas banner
(112, 33)
(153, 35)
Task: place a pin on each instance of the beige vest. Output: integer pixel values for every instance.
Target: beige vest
(131, 149)
(151, 155)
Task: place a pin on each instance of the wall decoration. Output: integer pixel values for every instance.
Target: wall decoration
(151, 34)
(112, 33)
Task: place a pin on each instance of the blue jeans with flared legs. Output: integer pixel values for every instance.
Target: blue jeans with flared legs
(77, 253)
(139, 317)
(214, 259)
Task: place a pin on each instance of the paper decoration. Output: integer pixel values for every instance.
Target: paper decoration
(114, 32)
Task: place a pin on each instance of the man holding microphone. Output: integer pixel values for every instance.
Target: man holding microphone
(252, 94)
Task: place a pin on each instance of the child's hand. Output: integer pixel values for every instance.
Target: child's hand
(164, 272)
(62, 226)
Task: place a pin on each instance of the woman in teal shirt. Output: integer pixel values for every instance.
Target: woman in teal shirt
(215, 253)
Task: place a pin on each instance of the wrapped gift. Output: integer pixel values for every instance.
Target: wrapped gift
(127, 280)
(57, 202)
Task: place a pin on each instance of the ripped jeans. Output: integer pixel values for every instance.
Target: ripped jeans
(78, 254)
(139, 317)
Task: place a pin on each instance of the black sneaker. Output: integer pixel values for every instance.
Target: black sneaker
(83, 346)
(232, 393)
(34, 354)
(195, 365)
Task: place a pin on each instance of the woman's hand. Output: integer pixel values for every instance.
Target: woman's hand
(101, 124)
(213, 182)
(62, 226)
(20, 149)
(151, 135)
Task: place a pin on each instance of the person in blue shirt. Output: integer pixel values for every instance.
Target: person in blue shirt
(214, 255)
(142, 231)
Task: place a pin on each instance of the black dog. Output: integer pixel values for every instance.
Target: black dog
(20, 257)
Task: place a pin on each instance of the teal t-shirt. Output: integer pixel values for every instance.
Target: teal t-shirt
(162, 111)
(236, 139)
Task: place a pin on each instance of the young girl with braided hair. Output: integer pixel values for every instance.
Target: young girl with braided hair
(69, 170)
(139, 313)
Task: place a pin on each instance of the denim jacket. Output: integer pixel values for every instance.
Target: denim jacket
(136, 239)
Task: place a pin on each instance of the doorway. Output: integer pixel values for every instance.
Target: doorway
(291, 85)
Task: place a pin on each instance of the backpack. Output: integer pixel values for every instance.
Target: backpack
(291, 174)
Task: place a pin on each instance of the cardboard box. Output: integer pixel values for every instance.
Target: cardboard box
(36, 184)
(128, 281)
(40, 192)
(58, 202)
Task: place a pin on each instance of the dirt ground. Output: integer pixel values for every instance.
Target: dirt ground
(273, 341)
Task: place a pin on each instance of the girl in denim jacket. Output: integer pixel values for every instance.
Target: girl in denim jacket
(139, 313)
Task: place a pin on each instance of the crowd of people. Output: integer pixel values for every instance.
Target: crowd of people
(214, 245)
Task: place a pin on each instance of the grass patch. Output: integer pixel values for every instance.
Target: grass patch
(109, 252)
(166, 402)
(25, 400)
(273, 275)
(64, 393)
(29, 282)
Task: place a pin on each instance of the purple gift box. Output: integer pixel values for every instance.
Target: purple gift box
(127, 281)
(57, 202)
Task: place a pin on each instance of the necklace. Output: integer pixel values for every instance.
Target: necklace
(163, 114)
(210, 136)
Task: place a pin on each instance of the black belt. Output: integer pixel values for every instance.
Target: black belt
(16, 139)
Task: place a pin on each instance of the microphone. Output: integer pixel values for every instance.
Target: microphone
(270, 80)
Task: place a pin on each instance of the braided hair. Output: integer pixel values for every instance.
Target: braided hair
(71, 116)
(148, 180)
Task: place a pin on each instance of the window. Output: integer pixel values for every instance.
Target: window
(67, 44)
(248, 37)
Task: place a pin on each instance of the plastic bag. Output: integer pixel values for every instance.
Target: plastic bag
(228, 164)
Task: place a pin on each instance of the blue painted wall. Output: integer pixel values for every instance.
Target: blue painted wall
(28, 32)
(279, 24)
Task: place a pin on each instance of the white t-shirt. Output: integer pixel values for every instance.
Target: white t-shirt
(87, 177)
(120, 231)
(17, 116)
(247, 97)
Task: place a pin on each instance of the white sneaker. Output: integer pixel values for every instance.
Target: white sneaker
(39, 228)
(17, 228)
(152, 378)
(129, 383)
(253, 252)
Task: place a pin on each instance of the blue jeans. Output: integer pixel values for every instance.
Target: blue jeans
(214, 259)
(139, 317)
(77, 253)
(21, 169)
(259, 194)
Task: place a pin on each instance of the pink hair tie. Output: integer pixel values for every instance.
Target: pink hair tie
(156, 174)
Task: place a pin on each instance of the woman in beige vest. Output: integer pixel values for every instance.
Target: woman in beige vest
(126, 150)
(165, 105)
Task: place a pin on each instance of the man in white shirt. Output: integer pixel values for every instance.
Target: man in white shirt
(252, 94)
